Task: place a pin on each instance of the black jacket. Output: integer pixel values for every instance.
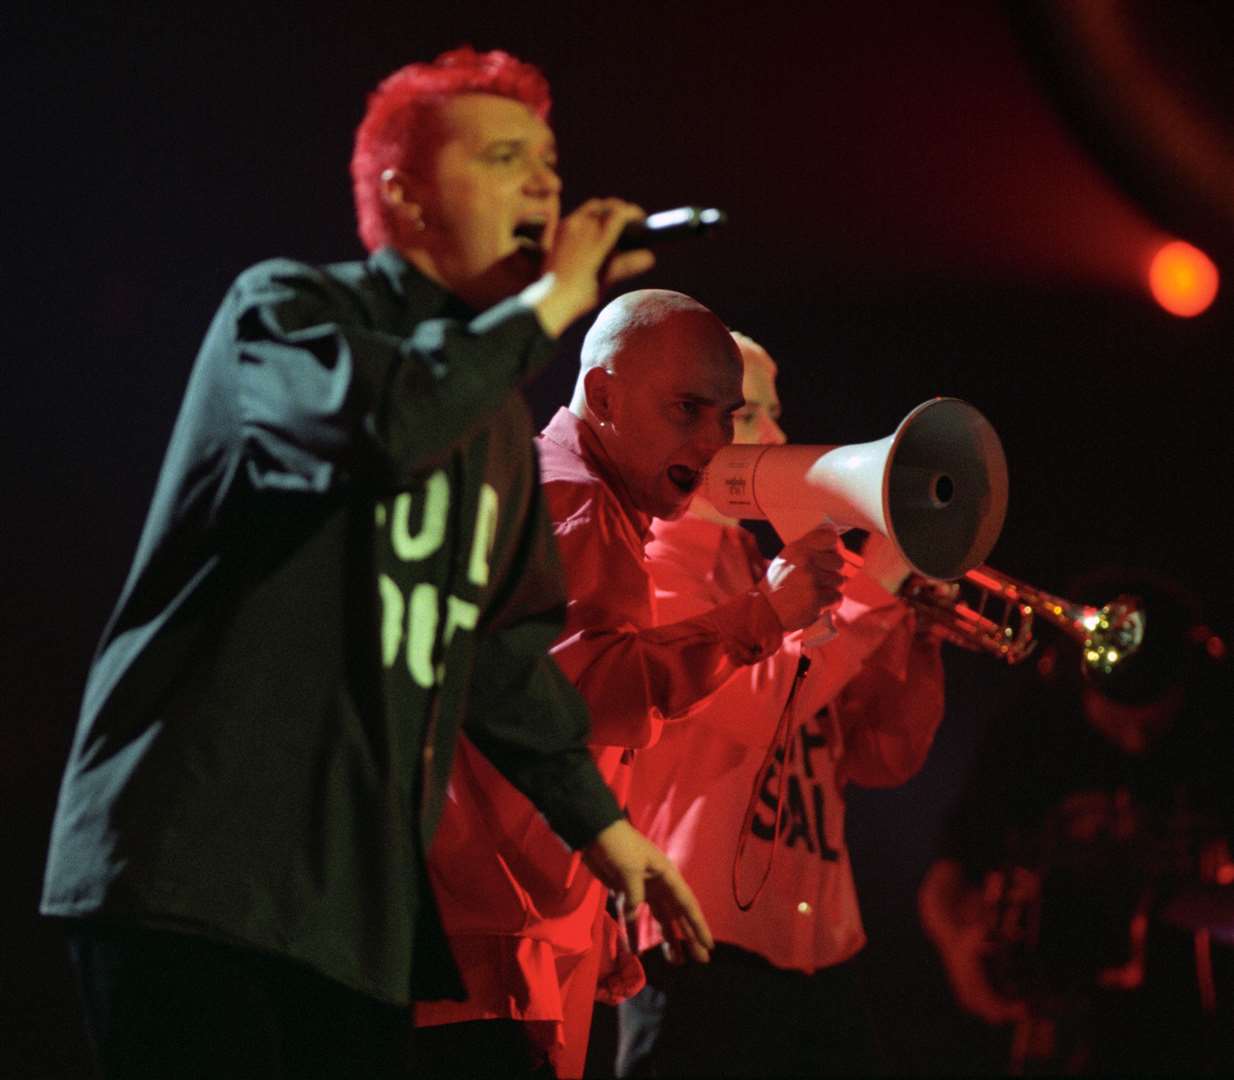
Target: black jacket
(345, 558)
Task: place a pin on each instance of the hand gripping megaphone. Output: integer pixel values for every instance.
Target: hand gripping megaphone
(936, 487)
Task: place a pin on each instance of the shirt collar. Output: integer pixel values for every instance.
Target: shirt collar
(574, 435)
(415, 289)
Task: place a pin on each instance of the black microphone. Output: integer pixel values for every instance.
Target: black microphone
(652, 231)
(656, 229)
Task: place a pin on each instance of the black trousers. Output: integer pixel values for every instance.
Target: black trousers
(160, 1005)
(479, 1048)
(741, 1016)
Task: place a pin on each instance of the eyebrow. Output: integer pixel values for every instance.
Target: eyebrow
(772, 409)
(703, 399)
(519, 144)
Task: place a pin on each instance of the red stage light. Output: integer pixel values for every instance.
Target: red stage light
(1182, 278)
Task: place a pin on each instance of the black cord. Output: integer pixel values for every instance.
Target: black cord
(780, 740)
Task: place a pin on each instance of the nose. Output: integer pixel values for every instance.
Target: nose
(716, 436)
(770, 433)
(543, 179)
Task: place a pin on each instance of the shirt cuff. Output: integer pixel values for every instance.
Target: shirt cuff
(581, 805)
(864, 590)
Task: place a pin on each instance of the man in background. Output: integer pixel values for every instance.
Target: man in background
(756, 809)
(1083, 892)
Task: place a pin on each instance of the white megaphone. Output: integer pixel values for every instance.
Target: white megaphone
(936, 487)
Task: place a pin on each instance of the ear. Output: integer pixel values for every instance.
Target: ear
(598, 389)
(398, 195)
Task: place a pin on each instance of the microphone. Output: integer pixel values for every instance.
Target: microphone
(656, 229)
(652, 231)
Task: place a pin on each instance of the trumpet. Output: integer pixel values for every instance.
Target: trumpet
(989, 611)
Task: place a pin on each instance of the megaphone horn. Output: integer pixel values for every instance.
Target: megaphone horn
(936, 487)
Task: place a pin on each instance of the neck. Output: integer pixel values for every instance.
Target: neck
(478, 293)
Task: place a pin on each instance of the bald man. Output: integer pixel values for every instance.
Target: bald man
(660, 382)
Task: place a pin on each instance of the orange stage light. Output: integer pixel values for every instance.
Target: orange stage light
(1182, 278)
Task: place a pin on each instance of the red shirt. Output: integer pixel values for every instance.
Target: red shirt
(525, 919)
(866, 711)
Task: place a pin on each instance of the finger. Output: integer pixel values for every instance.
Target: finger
(671, 953)
(824, 576)
(822, 536)
(617, 217)
(829, 560)
(627, 265)
(829, 598)
(681, 942)
(631, 898)
(613, 214)
(596, 208)
(699, 952)
(832, 583)
(618, 214)
(680, 902)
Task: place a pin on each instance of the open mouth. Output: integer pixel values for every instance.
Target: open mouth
(684, 478)
(529, 236)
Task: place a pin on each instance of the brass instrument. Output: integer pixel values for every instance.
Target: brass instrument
(988, 611)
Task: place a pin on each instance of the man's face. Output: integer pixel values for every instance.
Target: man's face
(671, 410)
(494, 173)
(757, 421)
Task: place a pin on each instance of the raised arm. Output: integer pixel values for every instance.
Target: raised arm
(635, 675)
(325, 400)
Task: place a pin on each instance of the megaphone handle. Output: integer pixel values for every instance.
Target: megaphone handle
(822, 630)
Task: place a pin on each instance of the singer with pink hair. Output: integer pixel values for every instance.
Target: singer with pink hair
(346, 562)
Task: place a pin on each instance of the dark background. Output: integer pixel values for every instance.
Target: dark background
(910, 216)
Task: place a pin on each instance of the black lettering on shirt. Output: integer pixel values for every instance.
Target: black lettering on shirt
(802, 818)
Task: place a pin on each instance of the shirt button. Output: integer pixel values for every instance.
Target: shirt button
(804, 908)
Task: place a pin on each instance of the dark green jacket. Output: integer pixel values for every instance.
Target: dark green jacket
(346, 558)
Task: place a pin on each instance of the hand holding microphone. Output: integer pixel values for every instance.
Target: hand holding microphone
(601, 243)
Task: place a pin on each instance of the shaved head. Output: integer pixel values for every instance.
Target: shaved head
(753, 353)
(759, 421)
(628, 329)
(660, 378)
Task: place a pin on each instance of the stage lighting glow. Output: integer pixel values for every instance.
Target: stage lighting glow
(1182, 278)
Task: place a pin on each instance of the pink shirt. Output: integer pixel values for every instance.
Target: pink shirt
(866, 712)
(525, 919)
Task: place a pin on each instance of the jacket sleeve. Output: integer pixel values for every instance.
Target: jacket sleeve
(327, 399)
(532, 725)
(523, 714)
(634, 675)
